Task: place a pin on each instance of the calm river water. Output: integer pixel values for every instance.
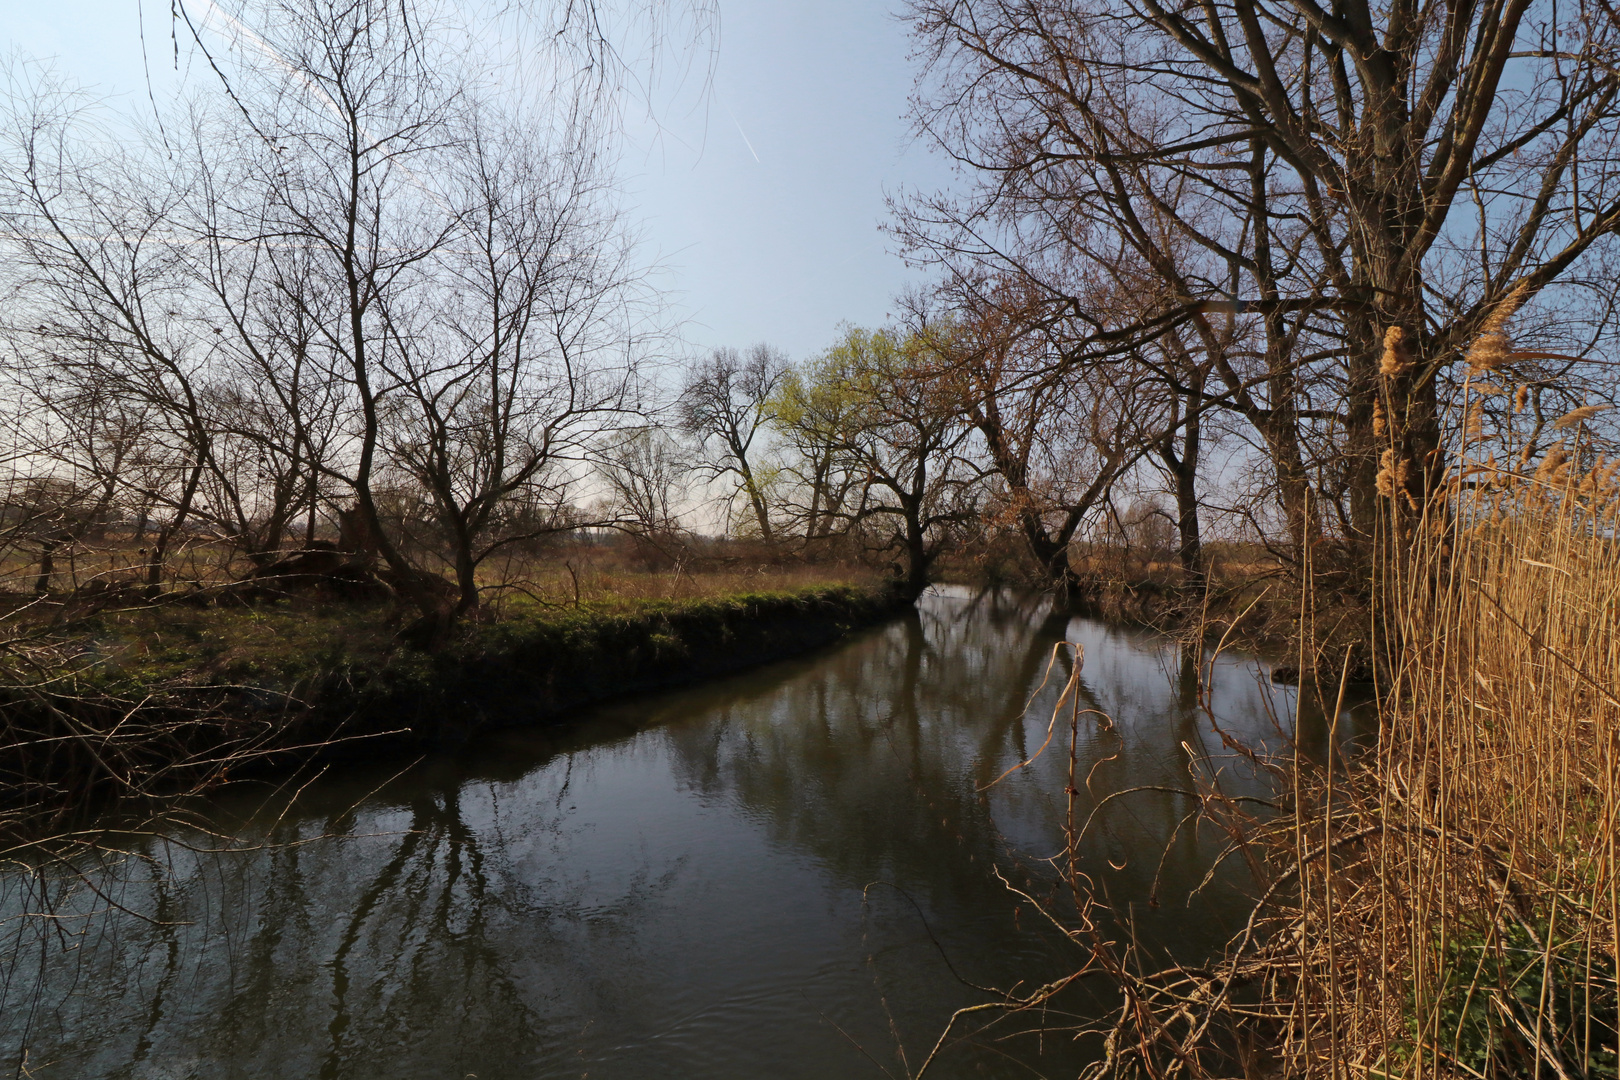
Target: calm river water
(789, 873)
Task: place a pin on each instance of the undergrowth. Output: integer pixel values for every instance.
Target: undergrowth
(137, 706)
(1447, 903)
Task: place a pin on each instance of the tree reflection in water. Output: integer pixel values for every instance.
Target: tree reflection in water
(675, 886)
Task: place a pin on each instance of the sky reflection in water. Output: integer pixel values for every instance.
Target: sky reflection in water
(743, 879)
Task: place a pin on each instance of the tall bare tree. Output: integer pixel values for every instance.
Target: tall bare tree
(519, 344)
(726, 403)
(1059, 426)
(1333, 200)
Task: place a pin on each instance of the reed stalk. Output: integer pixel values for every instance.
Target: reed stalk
(1445, 903)
(1462, 919)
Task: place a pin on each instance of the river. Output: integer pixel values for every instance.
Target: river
(788, 873)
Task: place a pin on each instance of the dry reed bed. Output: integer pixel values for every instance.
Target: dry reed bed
(1446, 904)
(1475, 929)
(1452, 909)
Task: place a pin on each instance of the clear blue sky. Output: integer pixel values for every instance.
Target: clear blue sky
(762, 198)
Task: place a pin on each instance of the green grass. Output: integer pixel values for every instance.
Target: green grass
(175, 698)
(284, 645)
(344, 661)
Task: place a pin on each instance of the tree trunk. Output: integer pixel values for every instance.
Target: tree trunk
(1280, 425)
(917, 556)
(761, 512)
(160, 547)
(466, 581)
(309, 526)
(47, 567)
(1051, 554)
(1190, 552)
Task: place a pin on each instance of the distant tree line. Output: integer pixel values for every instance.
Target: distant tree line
(1216, 269)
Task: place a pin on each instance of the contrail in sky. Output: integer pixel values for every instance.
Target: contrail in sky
(212, 12)
(743, 133)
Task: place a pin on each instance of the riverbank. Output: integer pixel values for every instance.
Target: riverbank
(1445, 902)
(173, 699)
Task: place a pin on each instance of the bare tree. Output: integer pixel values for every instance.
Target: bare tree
(170, 365)
(646, 472)
(97, 281)
(1333, 201)
(726, 403)
(1179, 450)
(517, 346)
(1059, 426)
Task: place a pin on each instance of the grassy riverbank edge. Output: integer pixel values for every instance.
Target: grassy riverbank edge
(538, 668)
(227, 694)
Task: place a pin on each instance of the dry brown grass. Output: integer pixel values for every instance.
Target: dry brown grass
(606, 576)
(1447, 904)
(1462, 915)
(563, 574)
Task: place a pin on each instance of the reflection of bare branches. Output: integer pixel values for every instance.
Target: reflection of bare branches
(1169, 1015)
(923, 920)
(1070, 693)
